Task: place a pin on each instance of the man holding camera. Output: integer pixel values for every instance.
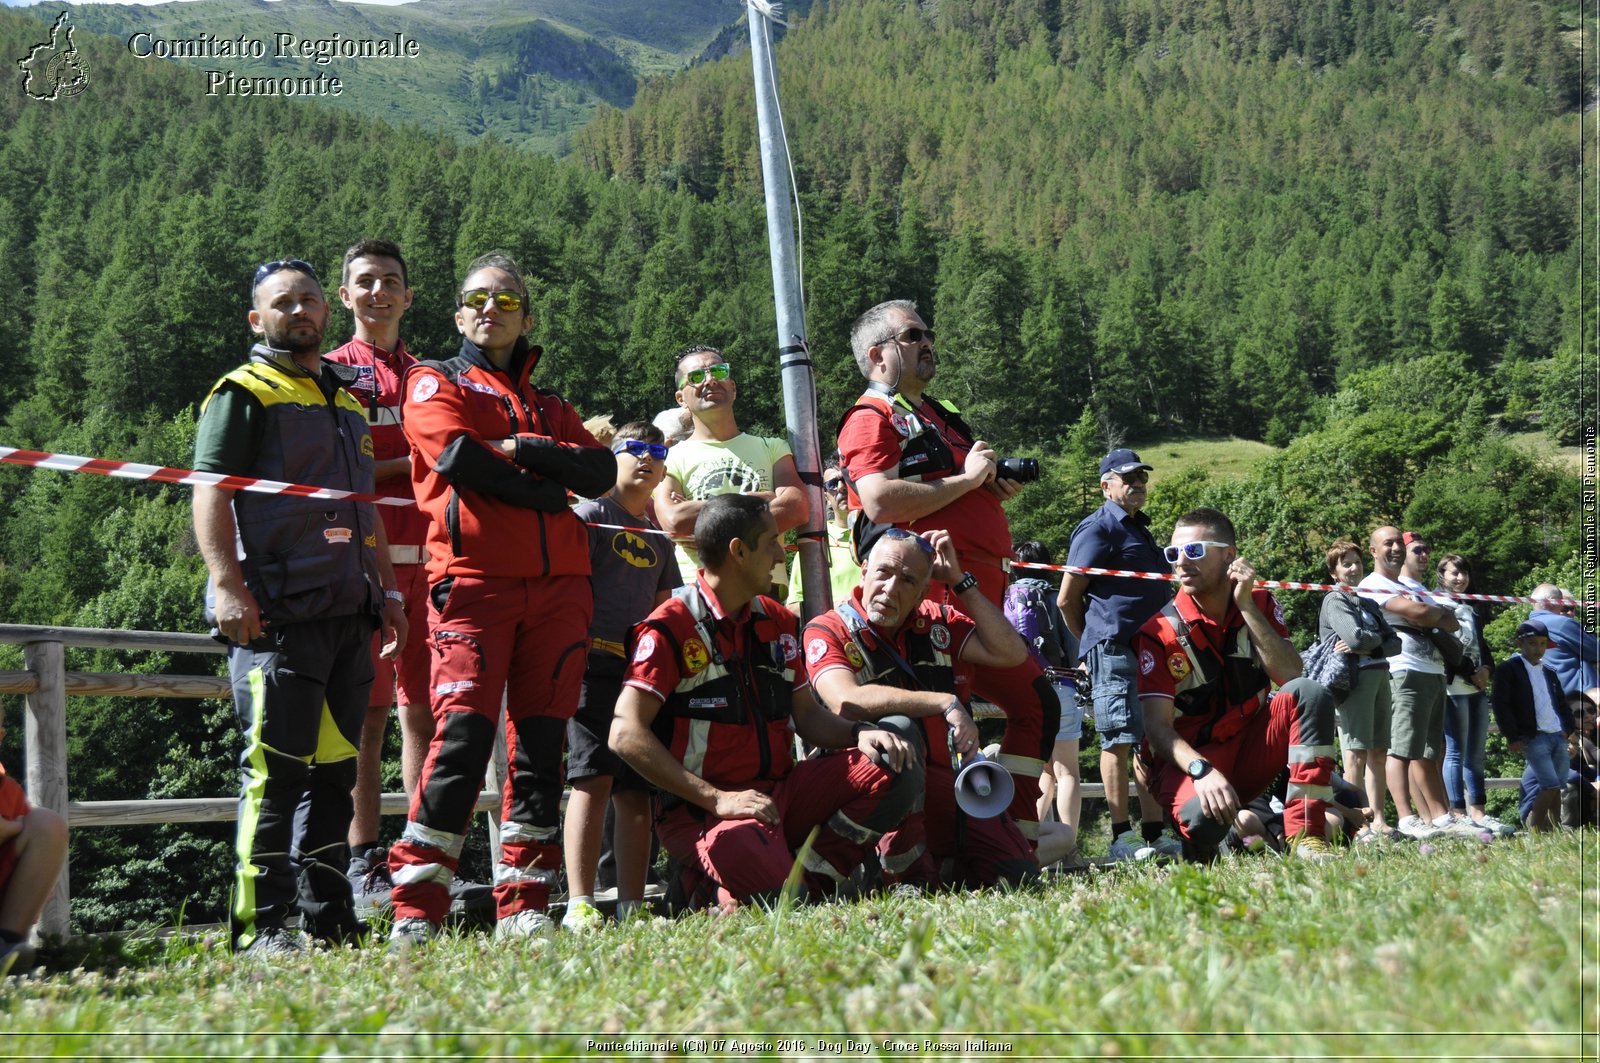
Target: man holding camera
(911, 461)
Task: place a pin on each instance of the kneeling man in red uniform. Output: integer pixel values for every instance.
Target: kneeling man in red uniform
(712, 698)
(889, 652)
(1216, 736)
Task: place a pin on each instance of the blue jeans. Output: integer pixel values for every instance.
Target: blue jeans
(1114, 685)
(1466, 728)
(1546, 753)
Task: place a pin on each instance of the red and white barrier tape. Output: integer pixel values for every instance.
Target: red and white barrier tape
(128, 470)
(1270, 584)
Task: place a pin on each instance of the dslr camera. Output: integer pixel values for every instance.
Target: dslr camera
(1022, 470)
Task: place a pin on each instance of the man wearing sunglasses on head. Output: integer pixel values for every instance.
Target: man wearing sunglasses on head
(297, 586)
(1216, 736)
(911, 461)
(493, 457)
(1104, 612)
(719, 459)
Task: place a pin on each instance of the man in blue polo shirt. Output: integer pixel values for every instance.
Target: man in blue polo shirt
(1104, 612)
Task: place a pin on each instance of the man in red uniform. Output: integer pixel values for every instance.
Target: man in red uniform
(1215, 735)
(711, 701)
(887, 651)
(910, 460)
(509, 605)
(373, 287)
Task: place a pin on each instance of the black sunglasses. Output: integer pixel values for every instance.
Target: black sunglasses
(911, 336)
(298, 265)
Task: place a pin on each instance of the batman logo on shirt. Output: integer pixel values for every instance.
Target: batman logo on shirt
(634, 549)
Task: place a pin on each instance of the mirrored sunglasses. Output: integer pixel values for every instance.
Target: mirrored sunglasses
(267, 269)
(1193, 551)
(900, 534)
(478, 298)
(696, 377)
(638, 448)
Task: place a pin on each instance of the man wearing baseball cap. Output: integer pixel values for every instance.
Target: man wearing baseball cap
(1532, 714)
(1105, 612)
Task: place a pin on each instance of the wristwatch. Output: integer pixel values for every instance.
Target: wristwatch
(968, 581)
(394, 595)
(1198, 768)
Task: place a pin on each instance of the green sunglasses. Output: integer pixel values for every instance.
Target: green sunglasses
(696, 377)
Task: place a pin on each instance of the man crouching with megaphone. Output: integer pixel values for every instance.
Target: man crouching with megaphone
(887, 652)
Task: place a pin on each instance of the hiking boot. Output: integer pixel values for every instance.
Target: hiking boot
(274, 942)
(527, 923)
(410, 934)
(370, 885)
(1169, 845)
(470, 898)
(1130, 845)
(341, 931)
(582, 918)
(1312, 849)
(17, 958)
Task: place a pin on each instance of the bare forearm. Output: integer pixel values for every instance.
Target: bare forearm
(1073, 602)
(217, 534)
(1001, 646)
(899, 501)
(1278, 655)
(645, 754)
(391, 468)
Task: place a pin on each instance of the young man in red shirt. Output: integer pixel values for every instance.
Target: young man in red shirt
(1216, 736)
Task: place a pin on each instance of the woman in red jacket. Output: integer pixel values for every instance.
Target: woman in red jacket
(509, 603)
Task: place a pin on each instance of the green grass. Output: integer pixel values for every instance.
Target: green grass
(1537, 443)
(1231, 458)
(1458, 951)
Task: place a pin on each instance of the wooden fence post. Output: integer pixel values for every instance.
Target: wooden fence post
(46, 731)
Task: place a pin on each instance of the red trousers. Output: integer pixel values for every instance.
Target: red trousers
(939, 837)
(849, 797)
(1295, 729)
(523, 640)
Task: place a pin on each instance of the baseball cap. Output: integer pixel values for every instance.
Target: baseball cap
(1121, 461)
(1530, 628)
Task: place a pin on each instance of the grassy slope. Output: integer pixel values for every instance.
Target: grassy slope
(1463, 951)
(458, 39)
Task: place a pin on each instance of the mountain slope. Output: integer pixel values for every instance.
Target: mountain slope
(524, 71)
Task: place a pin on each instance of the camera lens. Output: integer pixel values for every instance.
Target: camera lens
(1022, 470)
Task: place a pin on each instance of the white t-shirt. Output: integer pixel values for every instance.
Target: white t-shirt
(1544, 713)
(709, 467)
(1416, 651)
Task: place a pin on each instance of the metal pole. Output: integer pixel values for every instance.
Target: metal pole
(799, 387)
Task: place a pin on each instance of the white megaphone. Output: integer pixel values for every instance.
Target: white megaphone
(983, 788)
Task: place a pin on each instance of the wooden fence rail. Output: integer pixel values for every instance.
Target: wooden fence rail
(45, 684)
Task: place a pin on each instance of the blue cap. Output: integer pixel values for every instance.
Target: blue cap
(1529, 628)
(1121, 461)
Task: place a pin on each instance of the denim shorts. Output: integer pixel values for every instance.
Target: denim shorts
(1071, 728)
(1546, 753)
(1114, 682)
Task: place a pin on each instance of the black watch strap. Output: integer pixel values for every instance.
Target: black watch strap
(968, 581)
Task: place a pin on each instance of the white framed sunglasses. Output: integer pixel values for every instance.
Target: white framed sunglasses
(1193, 551)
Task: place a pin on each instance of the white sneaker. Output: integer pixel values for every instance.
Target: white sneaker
(410, 934)
(525, 924)
(582, 918)
(1489, 823)
(1460, 826)
(1413, 827)
(1130, 845)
